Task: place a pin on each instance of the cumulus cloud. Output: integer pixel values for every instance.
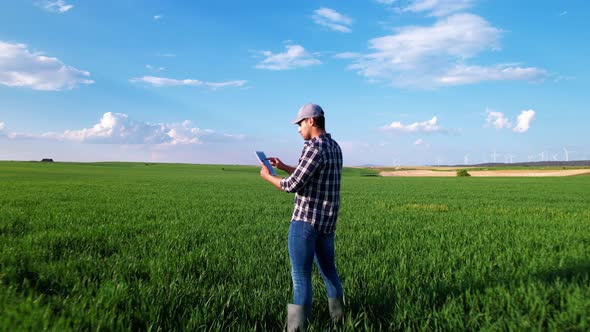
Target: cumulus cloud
(158, 17)
(523, 121)
(429, 126)
(431, 56)
(164, 81)
(332, 19)
(295, 57)
(20, 67)
(497, 120)
(2, 126)
(55, 6)
(437, 7)
(119, 128)
(419, 141)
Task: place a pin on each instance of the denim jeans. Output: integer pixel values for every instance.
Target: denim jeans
(307, 245)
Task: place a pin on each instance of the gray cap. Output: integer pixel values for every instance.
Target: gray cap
(308, 111)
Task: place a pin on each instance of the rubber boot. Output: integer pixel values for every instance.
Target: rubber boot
(336, 306)
(297, 316)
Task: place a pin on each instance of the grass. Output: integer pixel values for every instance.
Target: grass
(473, 168)
(135, 246)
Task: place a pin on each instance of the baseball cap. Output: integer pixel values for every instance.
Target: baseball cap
(308, 111)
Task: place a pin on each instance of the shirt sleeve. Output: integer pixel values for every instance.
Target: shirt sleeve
(310, 161)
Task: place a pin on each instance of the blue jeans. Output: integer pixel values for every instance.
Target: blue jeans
(307, 245)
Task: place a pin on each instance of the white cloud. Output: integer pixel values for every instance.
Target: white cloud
(295, 56)
(419, 141)
(154, 68)
(56, 6)
(347, 55)
(332, 19)
(2, 126)
(437, 7)
(119, 128)
(462, 74)
(21, 68)
(164, 81)
(429, 126)
(167, 55)
(497, 120)
(523, 121)
(218, 85)
(431, 56)
(158, 17)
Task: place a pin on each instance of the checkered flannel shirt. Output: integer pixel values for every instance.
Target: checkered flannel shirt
(316, 183)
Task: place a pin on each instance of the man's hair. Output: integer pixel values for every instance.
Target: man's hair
(320, 122)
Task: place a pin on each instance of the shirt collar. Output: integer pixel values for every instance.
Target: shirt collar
(318, 138)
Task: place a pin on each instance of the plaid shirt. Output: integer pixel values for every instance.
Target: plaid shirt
(316, 182)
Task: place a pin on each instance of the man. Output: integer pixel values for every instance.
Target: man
(316, 184)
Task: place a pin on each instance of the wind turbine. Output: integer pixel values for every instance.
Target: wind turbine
(494, 155)
(554, 157)
(395, 161)
(466, 159)
(510, 156)
(438, 161)
(542, 155)
(567, 153)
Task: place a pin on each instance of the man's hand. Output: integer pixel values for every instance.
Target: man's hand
(265, 174)
(276, 162)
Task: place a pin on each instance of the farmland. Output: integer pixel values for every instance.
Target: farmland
(134, 246)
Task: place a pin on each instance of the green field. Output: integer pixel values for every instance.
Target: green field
(133, 246)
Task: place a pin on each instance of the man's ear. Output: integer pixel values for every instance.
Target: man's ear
(311, 122)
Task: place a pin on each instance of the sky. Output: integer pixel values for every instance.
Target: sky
(402, 82)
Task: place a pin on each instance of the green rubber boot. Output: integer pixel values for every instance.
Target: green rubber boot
(297, 316)
(336, 306)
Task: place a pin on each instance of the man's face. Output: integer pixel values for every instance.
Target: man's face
(303, 128)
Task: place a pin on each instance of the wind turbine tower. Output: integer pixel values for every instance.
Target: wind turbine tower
(494, 155)
(567, 153)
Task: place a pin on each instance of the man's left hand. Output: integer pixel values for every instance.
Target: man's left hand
(264, 172)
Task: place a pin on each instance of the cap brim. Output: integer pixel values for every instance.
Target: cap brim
(297, 120)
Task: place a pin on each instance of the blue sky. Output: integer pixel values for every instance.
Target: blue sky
(405, 82)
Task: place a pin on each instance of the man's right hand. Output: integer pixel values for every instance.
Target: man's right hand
(276, 162)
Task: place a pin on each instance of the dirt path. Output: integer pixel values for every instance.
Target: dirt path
(515, 173)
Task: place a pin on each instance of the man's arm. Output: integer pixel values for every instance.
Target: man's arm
(276, 162)
(310, 161)
(275, 180)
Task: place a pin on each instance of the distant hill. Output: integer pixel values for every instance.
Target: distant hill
(575, 163)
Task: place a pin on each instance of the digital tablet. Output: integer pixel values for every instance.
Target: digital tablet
(262, 157)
